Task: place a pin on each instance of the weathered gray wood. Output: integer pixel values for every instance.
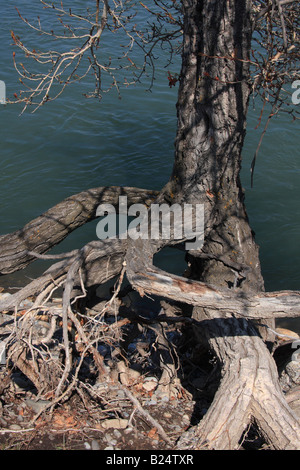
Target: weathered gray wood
(54, 225)
(102, 261)
(249, 389)
(146, 278)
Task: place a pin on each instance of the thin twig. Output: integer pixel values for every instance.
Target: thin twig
(272, 113)
(146, 415)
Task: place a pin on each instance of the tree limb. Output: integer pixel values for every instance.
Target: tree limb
(54, 225)
(146, 278)
(102, 261)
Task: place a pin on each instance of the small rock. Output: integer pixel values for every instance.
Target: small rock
(36, 406)
(176, 427)
(26, 303)
(152, 402)
(121, 394)
(185, 419)
(162, 393)
(107, 437)
(117, 434)
(15, 427)
(150, 384)
(95, 445)
(113, 442)
(134, 374)
(4, 296)
(115, 423)
(3, 423)
(128, 430)
(100, 387)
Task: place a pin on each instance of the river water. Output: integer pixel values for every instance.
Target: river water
(76, 143)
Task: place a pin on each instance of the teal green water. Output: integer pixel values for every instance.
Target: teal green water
(73, 144)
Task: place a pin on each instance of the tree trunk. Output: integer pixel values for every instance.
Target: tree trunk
(211, 131)
(248, 390)
(212, 108)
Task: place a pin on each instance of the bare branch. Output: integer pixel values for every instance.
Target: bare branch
(84, 32)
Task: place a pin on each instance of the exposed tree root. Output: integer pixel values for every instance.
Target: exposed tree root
(249, 389)
(249, 374)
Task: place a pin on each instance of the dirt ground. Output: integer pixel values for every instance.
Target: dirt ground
(113, 422)
(82, 424)
(121, 414)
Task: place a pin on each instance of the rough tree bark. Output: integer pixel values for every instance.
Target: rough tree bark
(226, 286)
(212, 109)
(50, 228)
